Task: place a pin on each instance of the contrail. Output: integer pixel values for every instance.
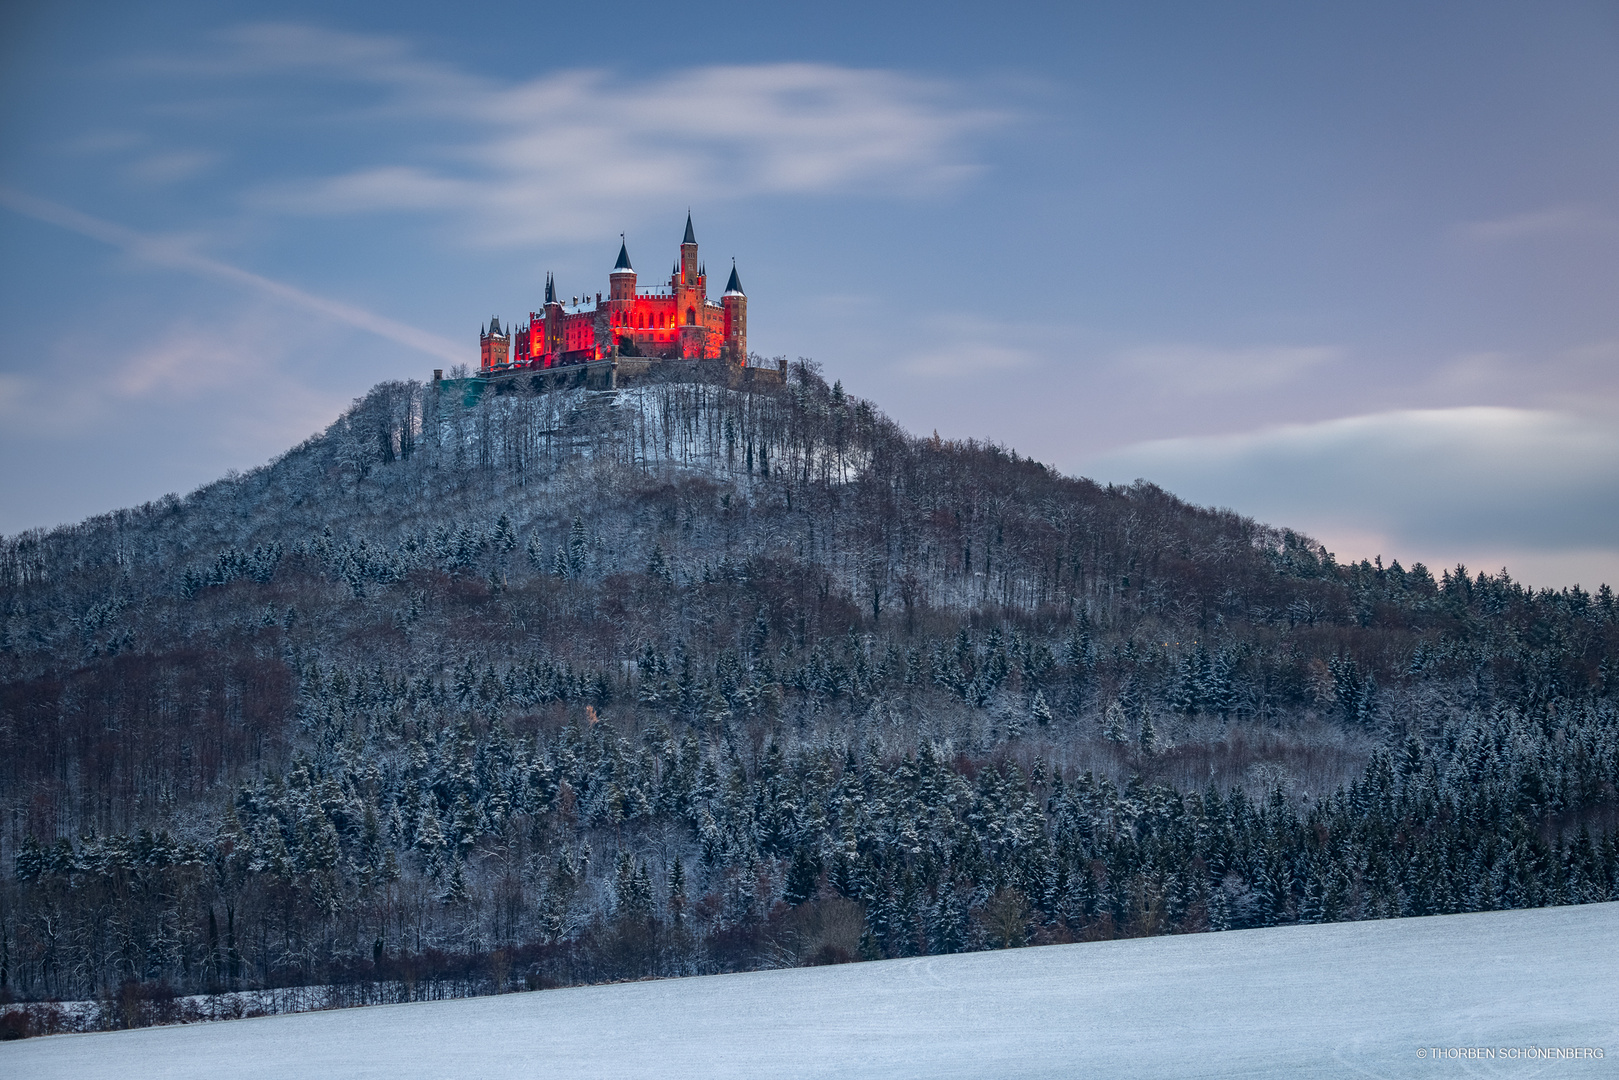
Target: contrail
(166, 252)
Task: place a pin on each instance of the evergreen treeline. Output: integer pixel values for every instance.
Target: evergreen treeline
(549, 688)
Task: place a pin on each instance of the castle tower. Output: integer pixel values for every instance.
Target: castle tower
(553, 322)
(494, 346)
(688, 255)
(621, 297)
(691, 297)
(623, 275)
(735, 302)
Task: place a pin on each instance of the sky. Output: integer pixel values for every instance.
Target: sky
(1350, 269)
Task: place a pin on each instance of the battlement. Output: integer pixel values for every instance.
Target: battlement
(610, 374)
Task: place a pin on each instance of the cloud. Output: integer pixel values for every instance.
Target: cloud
(395, 187)
(945, 346)
(275, 48)
(953, 361)
(166, 251)
(567, 155)
(1551, 221)
(1199, 369)
(14, 391)
(159, 409)
(105, 142)
(1581, 379)
(242, 365)
(173, 166)
(184, 361)
(1489, 483)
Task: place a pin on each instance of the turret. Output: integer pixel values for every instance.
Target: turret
(688, 255)
(623, 275)
(553, 322)
(691, 298)
(494, 346)
(735, 303)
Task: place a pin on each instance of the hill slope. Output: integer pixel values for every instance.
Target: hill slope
(1346, 1000)
(697, 677)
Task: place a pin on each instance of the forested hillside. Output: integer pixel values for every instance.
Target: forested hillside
(550, 688)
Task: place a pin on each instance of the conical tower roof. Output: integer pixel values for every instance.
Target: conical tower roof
(734, 285)
(550, 290)
(623, 258)
(691, 237)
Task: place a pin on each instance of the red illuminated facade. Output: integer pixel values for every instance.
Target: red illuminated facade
(673, 321)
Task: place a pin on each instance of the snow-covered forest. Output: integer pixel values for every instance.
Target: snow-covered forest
(472, 694)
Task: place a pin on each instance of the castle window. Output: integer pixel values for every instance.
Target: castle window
(691, 316)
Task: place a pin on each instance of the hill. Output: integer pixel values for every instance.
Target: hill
(1391, 998)
(474, 691)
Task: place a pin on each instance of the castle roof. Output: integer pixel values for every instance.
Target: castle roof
(623, 264)
(494, 327)
(735, 284)
(691, 237)
(550, 290)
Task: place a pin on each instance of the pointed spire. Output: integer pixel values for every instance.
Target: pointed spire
(691, 237)
(623, 256)
(735, 284)
(550, 290)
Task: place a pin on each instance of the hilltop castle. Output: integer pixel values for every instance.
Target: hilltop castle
(673, 321)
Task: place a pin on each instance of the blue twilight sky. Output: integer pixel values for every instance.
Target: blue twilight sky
(1351, 268)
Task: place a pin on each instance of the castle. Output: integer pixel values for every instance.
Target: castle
(673, 321)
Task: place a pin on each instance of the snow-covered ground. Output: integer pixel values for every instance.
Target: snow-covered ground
(1351, 999)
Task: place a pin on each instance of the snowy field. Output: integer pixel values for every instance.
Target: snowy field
(1349, 999)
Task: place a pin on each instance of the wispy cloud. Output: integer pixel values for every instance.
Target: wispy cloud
(1582, 379)
(271, 48)
(966, 359)
(172, 166)
(1201, 369)
(164, 251)
(105, 142)
(156, 408)
(1572, 220)
(15, 390)
(565, 155)
(948, 346)
(185, 360)
(239, 368)
(1466, 480)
